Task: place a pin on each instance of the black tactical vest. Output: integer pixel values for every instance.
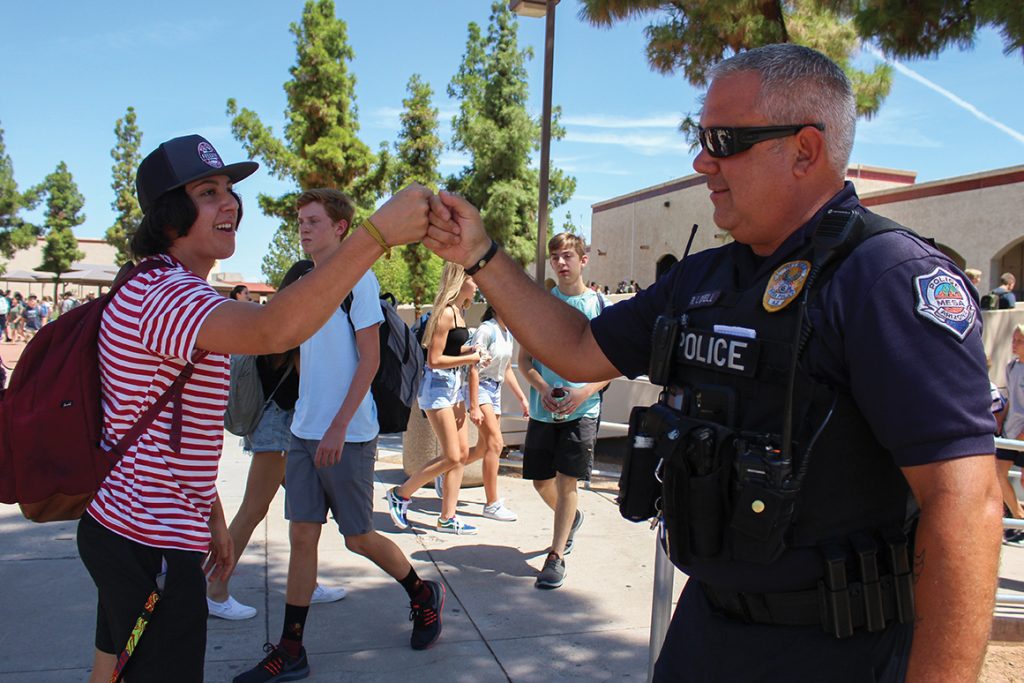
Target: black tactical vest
(731, 366)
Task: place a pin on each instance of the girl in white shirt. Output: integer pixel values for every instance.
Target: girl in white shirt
(483, 401)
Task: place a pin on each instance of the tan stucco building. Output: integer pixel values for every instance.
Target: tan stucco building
(977, 219)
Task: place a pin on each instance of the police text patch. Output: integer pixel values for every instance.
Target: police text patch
(942, 299)
(722, 352)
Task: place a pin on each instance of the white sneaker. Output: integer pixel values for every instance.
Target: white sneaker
(230, 609)
(321, 594)
(439, 485)
(499, 512)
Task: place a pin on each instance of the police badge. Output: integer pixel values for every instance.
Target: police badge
(785, 284)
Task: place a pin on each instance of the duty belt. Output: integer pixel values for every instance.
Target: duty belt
(838, 606)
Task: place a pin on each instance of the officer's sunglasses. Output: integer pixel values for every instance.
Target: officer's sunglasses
(721, 142)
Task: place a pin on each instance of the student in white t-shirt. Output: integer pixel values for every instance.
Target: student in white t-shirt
(330, 465)
(482, 395)
(157, 517)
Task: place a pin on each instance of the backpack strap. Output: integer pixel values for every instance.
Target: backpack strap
(125, 275)
(287, 373)
(146, 419)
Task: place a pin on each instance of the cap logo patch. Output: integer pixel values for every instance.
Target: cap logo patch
(785, 284)
(209, 155)
(942, 298)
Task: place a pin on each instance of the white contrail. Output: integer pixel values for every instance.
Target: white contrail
(977, 113)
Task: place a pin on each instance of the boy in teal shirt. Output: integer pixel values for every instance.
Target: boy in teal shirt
(560, 436)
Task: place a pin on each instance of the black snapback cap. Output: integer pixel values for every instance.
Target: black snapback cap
(178, 162)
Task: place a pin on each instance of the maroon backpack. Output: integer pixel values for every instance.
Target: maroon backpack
(51, 419)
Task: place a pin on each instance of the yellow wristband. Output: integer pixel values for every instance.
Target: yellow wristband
(377, 237)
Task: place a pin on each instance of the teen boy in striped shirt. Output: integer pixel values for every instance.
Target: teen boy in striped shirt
(158, 510)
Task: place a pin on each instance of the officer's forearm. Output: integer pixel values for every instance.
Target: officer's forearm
(555, 333)
(956, 562)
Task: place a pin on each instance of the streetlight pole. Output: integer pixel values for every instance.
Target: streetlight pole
(545, 8)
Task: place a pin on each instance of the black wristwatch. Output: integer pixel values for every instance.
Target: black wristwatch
(491, 251)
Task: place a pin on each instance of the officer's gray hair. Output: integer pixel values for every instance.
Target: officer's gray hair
(801, 85)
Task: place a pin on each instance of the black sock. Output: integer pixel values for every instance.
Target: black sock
(412, 584)
(294, 625)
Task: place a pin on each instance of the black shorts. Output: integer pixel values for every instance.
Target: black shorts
(559, 447)
(1007, 455)
(173, 646)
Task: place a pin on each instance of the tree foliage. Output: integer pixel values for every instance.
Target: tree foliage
(417, 154)
(394, 277)
(126, 157)
(320, 146)
(924, 29)
(693, 35)
(495, 129)
(64, 204)
(15, 232)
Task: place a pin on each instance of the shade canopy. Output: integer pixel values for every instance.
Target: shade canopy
(23, 276)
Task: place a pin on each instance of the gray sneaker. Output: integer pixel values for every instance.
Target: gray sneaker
(577, 522)
(553, 573)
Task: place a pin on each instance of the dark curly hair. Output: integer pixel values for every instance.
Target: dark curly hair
(171, 216)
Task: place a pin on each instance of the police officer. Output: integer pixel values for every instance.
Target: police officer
(831, 493)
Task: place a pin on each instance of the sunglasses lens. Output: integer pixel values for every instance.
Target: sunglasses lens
(717, 142)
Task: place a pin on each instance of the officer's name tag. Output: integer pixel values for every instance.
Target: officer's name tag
(722, 352)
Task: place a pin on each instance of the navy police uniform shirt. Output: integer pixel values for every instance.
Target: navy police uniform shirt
(896, 327)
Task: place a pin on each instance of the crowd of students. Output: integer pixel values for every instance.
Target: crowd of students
(157, 521)
(21, 317)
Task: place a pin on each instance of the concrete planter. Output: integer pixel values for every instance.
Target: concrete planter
(419, 446)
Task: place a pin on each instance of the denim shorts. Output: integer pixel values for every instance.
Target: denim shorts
(273, 433)
(488, 393)
(439, 389)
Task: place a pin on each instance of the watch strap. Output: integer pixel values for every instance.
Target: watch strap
(484, 260)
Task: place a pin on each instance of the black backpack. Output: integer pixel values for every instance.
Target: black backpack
(418, 328)
(397, 380)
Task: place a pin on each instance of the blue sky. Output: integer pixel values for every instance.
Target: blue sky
(70, 69)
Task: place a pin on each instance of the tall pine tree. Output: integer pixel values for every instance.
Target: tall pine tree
(15, 232)
(320, 147)
(417, 154)
(64, 205)
(495, 129)
(125, 205)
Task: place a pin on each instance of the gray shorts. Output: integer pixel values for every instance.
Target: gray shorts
(346, 488)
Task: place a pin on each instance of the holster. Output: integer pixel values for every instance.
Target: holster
(639, 487)
(696, 456)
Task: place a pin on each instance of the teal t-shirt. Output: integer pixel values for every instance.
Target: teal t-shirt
(589, 302)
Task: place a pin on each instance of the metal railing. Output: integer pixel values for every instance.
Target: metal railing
(1003, 597)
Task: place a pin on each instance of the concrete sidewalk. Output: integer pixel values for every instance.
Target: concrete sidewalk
(497, 626)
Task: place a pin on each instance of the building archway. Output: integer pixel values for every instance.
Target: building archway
(665, 264)
(1010, 259)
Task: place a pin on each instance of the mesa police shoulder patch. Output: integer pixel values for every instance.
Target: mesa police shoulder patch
(942, 298)
(785, 284)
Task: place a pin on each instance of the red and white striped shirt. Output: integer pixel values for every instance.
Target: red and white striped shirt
(156, 496)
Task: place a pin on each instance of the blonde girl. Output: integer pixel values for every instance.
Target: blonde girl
(446, 341)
